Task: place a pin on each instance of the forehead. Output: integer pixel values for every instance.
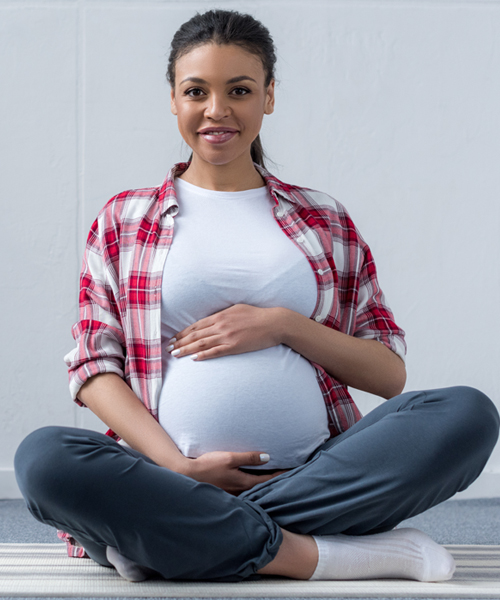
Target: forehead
(218, 62)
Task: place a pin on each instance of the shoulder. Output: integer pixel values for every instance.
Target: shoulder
(121, 214)
(316, 199)
(148, 203)
(327, 211)
(129, 204)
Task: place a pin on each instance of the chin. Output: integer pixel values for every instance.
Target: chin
(219, 161)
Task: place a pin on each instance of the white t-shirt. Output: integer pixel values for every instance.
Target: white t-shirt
(265, 401)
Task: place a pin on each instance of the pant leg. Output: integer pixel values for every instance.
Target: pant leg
(104, 494)
(407, 455)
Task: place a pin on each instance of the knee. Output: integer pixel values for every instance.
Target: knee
(37, 461)
(475, 416)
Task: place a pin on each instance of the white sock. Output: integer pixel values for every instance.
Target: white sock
(398, 554)
(127, 568)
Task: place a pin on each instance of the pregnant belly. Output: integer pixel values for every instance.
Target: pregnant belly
(265, 401)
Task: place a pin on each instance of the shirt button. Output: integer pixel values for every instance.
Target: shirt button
(320, 271)
(318, 318)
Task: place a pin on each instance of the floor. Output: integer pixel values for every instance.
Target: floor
(453, 522)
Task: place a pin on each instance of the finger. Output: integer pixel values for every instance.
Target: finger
(239, 459)
(260, 478)
(195, 354)
(199, 335)
(191, 338)
(205, 322)
(187, 344)
(215, 352)
(280, 472)
(266, 477)
(178, 350)
(196, 326)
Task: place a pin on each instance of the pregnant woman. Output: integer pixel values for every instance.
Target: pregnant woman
(223, 316)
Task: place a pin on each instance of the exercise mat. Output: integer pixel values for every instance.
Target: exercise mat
(46, 570)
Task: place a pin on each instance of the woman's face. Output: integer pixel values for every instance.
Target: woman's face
(220, 100)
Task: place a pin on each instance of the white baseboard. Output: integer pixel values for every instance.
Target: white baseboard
(487, 486)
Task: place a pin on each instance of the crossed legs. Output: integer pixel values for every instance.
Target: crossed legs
(411, 453)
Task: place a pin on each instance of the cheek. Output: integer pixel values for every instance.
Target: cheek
(185, 119)
(255, 114)
(256, 119)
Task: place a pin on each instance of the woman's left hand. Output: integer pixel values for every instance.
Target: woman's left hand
(234, 330)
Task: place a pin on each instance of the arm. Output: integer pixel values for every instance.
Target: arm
(98, 333)
(364, 364)
(370, 354)
(97, 364)
(111, 399)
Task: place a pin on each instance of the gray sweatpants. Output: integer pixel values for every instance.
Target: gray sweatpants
(407, 455)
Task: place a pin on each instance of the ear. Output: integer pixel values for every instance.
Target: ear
(269, 107)
(173, 106)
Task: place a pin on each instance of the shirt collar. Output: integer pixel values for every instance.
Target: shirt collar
(168, 200)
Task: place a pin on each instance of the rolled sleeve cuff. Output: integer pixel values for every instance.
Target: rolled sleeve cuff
(78, 377)
(394, 342)
(99, 350)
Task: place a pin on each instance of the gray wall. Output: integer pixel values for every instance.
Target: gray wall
(391, 107)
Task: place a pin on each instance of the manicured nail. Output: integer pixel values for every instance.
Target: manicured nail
(264, 457)
(171, 347)
(176, 352)
(194, 356)
(172, 340)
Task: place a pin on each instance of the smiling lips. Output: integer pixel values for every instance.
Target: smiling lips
(217, 135)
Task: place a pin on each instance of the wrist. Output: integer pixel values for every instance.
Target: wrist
(281, 324)
(184, 466)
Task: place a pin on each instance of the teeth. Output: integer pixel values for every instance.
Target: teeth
(215, 132)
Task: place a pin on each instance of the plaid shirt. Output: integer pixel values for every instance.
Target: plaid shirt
(119, 329)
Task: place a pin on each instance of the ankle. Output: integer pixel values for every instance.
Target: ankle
(297, 557)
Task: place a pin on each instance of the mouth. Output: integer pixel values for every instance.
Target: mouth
(217, 135)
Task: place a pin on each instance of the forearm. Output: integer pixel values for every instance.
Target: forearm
(111, 399)
(366, 365)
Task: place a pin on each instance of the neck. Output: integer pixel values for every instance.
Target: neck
(236, 176)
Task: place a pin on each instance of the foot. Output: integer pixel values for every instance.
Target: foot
(398, 554)
(128, 569)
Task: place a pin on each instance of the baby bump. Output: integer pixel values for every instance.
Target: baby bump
(267, 401)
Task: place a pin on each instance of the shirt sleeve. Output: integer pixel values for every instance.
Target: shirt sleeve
(374, 318)
(100, 342)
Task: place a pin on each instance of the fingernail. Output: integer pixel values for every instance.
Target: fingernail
(264, 457)
(171, 347)
(172, 340)
(176, 352)
(194, 356)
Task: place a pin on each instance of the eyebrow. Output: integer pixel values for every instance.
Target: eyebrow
(233, 80)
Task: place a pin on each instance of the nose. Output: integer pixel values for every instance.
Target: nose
(217, 107)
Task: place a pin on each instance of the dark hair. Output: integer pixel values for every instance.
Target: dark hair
(226, 27)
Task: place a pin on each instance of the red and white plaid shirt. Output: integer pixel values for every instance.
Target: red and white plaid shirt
(119, 329)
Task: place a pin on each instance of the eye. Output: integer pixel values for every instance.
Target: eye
(240, 91)
(193, 92)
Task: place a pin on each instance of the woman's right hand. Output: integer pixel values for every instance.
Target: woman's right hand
(222, 470)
